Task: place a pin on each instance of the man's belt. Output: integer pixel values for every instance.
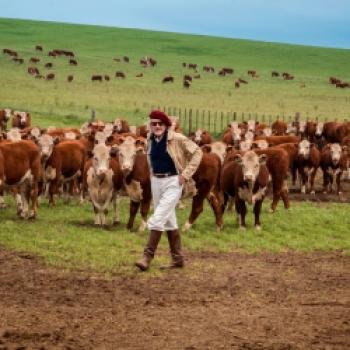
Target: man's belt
(161, 176)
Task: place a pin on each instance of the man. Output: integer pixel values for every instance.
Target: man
(173, 159)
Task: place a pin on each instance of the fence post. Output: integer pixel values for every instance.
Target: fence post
(234, 116)
(215, 120)
(197, 114)
(189, 121)
(227, 118)
(209, 121)
(203, 115)
(222, 121)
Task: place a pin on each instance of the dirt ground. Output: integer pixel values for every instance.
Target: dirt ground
(219, 301)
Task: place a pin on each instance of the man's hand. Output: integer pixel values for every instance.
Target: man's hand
(181, 180)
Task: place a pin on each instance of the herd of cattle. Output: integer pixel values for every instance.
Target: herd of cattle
(145, 62)
(103, 160)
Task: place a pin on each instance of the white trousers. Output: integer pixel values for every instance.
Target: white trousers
(166, 193)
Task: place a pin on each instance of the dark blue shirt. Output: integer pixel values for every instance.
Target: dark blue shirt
(161, 162)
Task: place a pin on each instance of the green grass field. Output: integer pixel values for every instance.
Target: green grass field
(60, 103)
(65, 235)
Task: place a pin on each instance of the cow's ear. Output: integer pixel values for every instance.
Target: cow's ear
(344, 148)
(238, 158)
(110, 138)
(56, 140)
(206, 148)
(262, 158)
(89, 154)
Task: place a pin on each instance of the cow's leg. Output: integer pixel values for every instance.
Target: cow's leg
(330, 177)
(134, 207)
(2, 201)
(312, 180)
(116, 215)
(241, 210)
(53, 189)
(303, 180)
(145, 205)
(217, 209)
(337, 179)
(294, 175)
(325, 180)
(104, 215)
(279, 188)
(197, 208)
(25, 194)
(257, 209)
(97, 216)
(34, 200)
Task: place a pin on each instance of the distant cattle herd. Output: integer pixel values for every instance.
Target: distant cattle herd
(146, 62)
(103, 160)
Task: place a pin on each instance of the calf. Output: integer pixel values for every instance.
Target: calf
(21, 120)
(121, 126)
(308, 162)
(20, 167)
(50, 76)
(120, 75)
(103, 178)
(246, 178)
(136, 178)
(334, 161)
(97, 78)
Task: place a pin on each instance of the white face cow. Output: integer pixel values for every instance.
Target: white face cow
(100, 160)
(7, 114)
(127, 152)
(198, 136)
(319, 128)
(245, 145)
(233, 125)
(236, 134)
(302, 127)
(304, 148)
(336, 152)
(46, 144)
(250, 163)
(118, 125)
(70, 135)
(100, 138)
(291, 129)
(267, 132)
(14, 135)
(251, 125)
(22, 117)
(249, 135)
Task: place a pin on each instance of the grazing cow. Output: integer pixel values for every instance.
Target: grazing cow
(152, 61)
(196, 76)
(245, 178)
(116, 59)
(186, 84)
(192, 65)
(334, 161)
(187, 77)
(73, 62)
(221, 72)
(5, 115)
(237, 84)
(126, 59)
(33, 71)
(168, 79)
(201, 137)
(52, 54)
(334, 81)
(70, 78)
(18, 60)
(279, 127)
(62, 162)
(20, 167)
(252, 72)
(120, 75)
(48, 65)
(21, 120)
(34, 60)
(228, 70)
(139, 75)
(308, 162)
(103, 179)
(10, 52)
(107, 78)
(38, 48)
(136, 178)
(50, 76)
(97, 78)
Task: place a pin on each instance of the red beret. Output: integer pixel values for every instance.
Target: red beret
(156, 114)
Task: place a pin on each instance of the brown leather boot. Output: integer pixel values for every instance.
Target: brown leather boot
(175, 250)
(149, 251)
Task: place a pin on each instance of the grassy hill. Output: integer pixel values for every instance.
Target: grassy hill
(60, 103)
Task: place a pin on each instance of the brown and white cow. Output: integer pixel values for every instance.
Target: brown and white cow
(201, 137)
(279, 127)
(21, 120)
(103, 179)
(121, 126)
(62, 162)
(246, 178)
(5, 115)
(136, 178)
(334, 161)
(20, 167)
(308, 162)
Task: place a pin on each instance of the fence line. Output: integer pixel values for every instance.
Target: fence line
(215, 122)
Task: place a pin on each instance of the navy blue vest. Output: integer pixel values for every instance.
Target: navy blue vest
(161, 162)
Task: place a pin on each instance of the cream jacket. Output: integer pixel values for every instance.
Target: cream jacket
(185, 154)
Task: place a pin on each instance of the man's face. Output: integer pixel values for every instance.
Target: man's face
(157, 127)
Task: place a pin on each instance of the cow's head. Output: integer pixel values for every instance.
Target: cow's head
(319, 128)
(335, 151)
(267, 132)
(250, 163)
(118, 125)
(100, 138)
(249, 135)
(233, 125)
(304, 148)
(7, 114)
(236, 134)
(198, 136)
(251, 125)
(302, 127)
(46, 144)
(291, 129)
(70, 135)
(23, 117)
(245, 145)
(127, 152)
(101, 154)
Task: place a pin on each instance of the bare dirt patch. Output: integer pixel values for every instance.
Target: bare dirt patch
(219, 301)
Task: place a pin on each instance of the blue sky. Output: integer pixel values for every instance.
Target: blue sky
(309, 22)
